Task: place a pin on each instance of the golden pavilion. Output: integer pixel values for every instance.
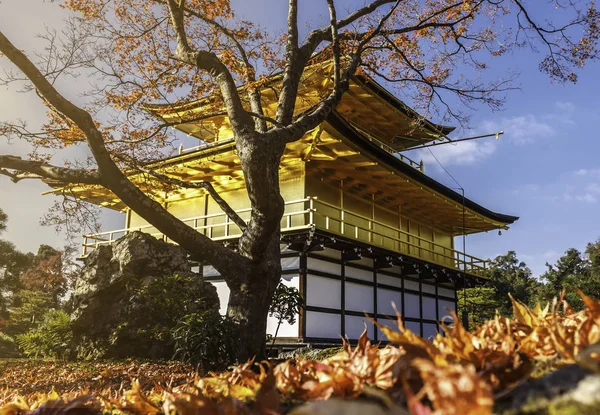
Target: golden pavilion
(364, 227)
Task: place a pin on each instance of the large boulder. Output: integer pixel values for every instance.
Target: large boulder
(131, 294)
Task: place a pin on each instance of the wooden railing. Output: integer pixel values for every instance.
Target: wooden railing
(221, 227)
(344, 222)
(312, 212)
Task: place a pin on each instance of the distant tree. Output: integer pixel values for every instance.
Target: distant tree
(506, 275)
(573, 270)
(31, 284)
(3, 220)
(12, 264)
(51, 271)
(593, 253)
(509, 275)
(28, 309)
(570, 264)
(481, 304)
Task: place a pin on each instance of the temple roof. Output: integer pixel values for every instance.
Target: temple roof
(358, 144)
(367, 106)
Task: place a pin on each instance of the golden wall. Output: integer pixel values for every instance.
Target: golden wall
(204, 214)
(335, 211)
(345, 214)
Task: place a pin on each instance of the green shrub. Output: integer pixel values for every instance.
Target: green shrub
(52, 338)
(285, 306)
(8, 348)
(207, 339)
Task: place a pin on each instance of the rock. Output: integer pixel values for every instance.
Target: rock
(550, 386)
(569, 390)
(111, 318)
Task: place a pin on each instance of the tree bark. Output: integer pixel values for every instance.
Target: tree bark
(250, 299)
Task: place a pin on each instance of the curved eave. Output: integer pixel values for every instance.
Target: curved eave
(338, 122)
(429, 131)
(400, 106)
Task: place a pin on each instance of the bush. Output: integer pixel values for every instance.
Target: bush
(207, 339)
(285, 306)
(52, 338)
(8, 348)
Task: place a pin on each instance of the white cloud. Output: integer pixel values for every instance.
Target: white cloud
(565, 106)
(467, 152)
(563, 115)
(528, 189)
(586, 197)
(522, 129)
(593, 188)
(585, 193)
(518, 130)
(588, 172)
(550, 255)
(578, 188)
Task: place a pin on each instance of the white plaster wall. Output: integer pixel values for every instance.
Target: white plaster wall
(385, 298)
(356, 325)
(429, 330)
(413, 326)
(411, 305)
(324, 266)
(223, 292)
(411, 285)
(359, 274)
(430, 289)
(446, 292)
(429, 308)
(323, 325)
(285, 330)
(388, 280)
(359, 297)
(323, 292)
(290, 263)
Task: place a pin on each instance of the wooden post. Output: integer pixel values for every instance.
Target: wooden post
(342, 215)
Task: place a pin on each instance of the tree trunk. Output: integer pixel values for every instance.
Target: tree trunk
(249, 302)
(253, 286)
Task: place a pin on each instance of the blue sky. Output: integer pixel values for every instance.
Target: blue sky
(545, 168)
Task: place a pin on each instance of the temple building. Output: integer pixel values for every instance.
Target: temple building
(364, 226)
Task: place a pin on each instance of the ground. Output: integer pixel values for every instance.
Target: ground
(30, 378)
(568, 390)
(541, 361)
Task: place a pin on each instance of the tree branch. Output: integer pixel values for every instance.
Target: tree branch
(208, 61)
(311, 120)
(335, 44)
(253, 93)
(18, 169)
(226, 261)
(316, 37)
(294, 66)
(225, 207)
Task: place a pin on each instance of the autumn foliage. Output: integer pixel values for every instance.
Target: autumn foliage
(457, 372)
